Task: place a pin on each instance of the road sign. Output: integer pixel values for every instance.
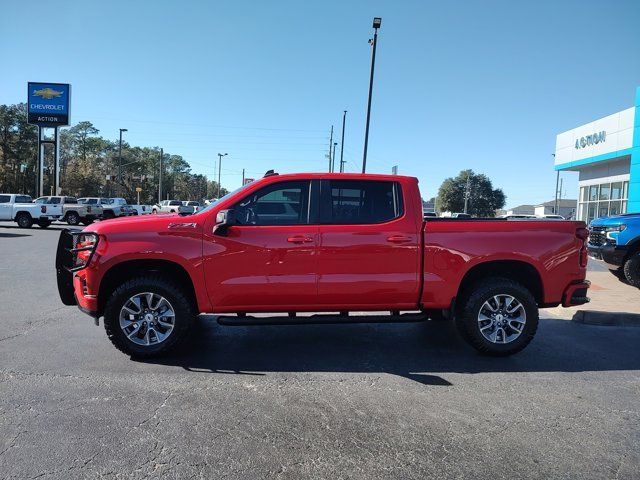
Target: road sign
(394, 170)
(247, 181)
(138, 189)
(48, 104)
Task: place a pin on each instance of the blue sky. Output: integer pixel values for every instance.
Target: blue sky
(485, 85)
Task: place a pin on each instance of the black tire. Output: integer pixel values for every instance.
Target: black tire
(24, 220)
(631, 269)
(72, 218)
(185, 314)
(44, 223)
(470, 304)
(86, 221)
(108, 214)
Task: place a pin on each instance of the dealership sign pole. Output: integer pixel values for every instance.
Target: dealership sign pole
(48, 107)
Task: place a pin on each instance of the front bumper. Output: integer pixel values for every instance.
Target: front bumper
(72, 285)
(612, 255)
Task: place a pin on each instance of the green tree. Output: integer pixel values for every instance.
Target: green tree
(483, 200)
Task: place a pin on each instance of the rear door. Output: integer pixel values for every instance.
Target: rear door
(369, 252)
(268, 260)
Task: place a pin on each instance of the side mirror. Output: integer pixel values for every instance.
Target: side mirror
(224, 219)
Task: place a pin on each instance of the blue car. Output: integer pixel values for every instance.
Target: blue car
(616, 241)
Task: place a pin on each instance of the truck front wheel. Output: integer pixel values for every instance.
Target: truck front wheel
(497, 316)
(631, 269)
(148, 316)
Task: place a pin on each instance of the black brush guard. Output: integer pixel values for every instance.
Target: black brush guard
(66, 262)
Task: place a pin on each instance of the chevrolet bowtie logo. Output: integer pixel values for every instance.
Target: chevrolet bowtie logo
(47, 93)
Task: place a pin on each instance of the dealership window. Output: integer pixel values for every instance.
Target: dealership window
(602, 200)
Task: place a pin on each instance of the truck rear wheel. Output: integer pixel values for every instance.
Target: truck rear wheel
(497, 316)
(631, 269)
(44, 223)
(72, 218)
(148, 316)
(24, 220)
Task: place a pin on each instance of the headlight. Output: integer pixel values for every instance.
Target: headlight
(85, 246)
(617, 229)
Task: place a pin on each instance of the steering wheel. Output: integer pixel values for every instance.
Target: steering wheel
(248, 217)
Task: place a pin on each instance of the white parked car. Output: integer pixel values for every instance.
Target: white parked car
(172, 206)
(142, 209)
(191, 203)
(22, 210)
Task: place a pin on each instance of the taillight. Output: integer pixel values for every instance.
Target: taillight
(43, 209)
(121, 209)
(583, 234)
(88, 209)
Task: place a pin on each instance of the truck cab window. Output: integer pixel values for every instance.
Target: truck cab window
(361, 202)
(285, 203)
(6, 199)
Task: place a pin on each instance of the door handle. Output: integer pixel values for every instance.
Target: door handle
(299, 239)
(398, 239)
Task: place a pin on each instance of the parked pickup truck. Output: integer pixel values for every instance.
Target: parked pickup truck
(22, 210)
(111, 207)
(321, 243)
(73, 212)
(616, 241)
(172, 206)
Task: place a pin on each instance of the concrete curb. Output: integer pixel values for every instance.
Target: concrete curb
(607, 319)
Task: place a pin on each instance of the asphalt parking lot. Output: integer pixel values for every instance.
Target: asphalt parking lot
(353, 401)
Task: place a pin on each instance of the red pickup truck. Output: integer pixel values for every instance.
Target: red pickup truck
(321, 243)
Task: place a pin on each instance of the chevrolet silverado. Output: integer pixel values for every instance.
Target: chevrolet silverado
(321, 243)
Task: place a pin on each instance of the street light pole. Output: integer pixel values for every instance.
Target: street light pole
(160, 177)
(344, 119)
(330, 143)
(120, 160)
(555, 204)
(220, 155)
(377, 21)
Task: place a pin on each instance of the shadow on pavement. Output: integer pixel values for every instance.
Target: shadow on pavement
(413, 351)
(35, 227)
(13, 235)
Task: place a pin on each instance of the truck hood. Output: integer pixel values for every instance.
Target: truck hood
(615, 220)
(135, 223)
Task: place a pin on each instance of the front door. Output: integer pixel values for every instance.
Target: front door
(268, 260)
(369, 252)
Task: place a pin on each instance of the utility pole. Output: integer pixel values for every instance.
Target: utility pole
(466, 194)
(243, 176)
(160, 177)
(377, 21)
(344, 119)
(120, 161)
(330, 143)
(220, 155)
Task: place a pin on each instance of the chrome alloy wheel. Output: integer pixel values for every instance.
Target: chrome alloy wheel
(147, 319)
(501, 319)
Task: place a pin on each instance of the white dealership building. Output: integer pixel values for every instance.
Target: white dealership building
(606, 153)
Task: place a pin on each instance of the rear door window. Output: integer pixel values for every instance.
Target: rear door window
(7, 199)
(23, 199)
(354, 202)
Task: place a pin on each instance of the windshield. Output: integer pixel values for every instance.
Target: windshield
(224, 197)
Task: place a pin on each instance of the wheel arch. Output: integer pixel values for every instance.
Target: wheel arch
(517, 270)
(125, 270)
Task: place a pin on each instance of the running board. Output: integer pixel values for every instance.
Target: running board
(242, 321)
